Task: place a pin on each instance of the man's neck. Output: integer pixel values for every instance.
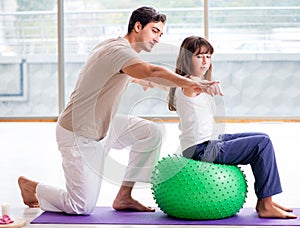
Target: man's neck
(132, 42)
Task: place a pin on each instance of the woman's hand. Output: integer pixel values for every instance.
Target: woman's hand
(214, 89)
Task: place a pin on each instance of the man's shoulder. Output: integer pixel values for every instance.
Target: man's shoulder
(115, 42)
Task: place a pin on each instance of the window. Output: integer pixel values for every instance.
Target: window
(257, 50)
(255, 26)
(28, 58)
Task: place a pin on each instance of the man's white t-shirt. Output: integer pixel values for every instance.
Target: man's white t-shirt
(98, 90)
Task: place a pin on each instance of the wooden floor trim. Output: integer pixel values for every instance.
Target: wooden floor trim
(166, 119)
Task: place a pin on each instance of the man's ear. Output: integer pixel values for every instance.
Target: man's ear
(137, 26)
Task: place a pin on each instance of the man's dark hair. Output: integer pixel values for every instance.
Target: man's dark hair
(145, 15)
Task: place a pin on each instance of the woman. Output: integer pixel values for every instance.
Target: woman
(196, 113)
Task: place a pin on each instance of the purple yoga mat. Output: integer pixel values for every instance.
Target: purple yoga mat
(106, 215)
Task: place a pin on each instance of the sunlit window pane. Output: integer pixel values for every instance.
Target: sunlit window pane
(255, 26)
(257, 49)
(28, 60)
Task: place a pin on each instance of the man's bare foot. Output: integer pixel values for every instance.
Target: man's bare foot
(267, 209)
(130, 205)
(28, 193)
(124, 200)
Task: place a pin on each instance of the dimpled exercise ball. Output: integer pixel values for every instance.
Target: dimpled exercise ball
(189, 189)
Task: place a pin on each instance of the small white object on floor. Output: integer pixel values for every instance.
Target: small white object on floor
(17, 223)
(5, 209)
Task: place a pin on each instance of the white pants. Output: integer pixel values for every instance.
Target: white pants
(83, 163)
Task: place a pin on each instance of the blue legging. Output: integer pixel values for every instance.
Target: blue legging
(251, 148)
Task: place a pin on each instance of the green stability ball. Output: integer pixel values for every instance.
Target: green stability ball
(189, 189)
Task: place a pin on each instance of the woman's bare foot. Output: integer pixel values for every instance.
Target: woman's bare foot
(267, 209)
(28, 192)
(124, 201)
(275, 205)
(282, 207)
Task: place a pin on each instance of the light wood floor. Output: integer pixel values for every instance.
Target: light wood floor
(30, 149)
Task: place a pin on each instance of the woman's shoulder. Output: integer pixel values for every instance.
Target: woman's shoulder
(188, 94)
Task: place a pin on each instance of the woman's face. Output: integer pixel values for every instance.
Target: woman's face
(201, 62)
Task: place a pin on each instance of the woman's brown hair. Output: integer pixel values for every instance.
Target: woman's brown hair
(192, 45)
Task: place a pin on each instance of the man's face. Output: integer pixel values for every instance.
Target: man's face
(149, 36)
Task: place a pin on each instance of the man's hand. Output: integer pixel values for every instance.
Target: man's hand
(211, 87)
(145, 84)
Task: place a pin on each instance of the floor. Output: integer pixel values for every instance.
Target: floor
(29, 149)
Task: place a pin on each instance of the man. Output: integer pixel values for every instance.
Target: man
(88, 127)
